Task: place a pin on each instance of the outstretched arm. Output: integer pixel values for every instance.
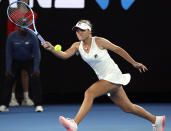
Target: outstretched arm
(103, 43)
(62, 54)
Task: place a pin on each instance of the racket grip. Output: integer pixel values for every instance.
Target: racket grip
(41, 38)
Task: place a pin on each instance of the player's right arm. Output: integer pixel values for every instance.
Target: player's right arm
(62, 54)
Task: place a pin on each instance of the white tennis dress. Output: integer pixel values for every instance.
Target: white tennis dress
(103, 65)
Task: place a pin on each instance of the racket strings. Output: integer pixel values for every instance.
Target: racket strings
(21, 15)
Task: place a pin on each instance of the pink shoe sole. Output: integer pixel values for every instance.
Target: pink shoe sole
(64, 123)
(163, 124)
(70, 130)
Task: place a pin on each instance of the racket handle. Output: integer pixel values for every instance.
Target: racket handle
(41, 38)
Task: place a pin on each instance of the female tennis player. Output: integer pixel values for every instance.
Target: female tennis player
(93, 50)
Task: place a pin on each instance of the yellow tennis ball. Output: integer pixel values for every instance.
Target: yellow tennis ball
(58, 47)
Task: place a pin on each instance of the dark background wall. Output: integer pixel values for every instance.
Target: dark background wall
(143, 31)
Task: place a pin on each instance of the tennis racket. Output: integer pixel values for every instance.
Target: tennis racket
(22, 15)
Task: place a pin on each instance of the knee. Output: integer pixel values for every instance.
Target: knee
(24, 74)
(89, 94)
(129, 108)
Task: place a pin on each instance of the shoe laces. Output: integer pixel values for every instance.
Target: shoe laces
(72, 121)
(68, 118)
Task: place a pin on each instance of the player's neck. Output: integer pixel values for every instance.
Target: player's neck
(87, 41)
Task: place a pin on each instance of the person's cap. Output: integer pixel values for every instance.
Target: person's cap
(23, 22)
(81, 25)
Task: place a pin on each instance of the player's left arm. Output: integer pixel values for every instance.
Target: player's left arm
(106, 44)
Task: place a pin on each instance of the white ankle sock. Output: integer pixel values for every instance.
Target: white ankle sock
(158, 120)
(26, 95)
(13, 95)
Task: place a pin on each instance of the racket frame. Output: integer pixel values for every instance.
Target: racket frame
(32, 23)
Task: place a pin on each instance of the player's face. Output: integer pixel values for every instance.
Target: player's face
(82, 34)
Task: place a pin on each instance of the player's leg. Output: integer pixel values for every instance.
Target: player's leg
(120, 98)
(25, 84)
(25, 80)
(14, 87)
(13, 101)
(97, 89)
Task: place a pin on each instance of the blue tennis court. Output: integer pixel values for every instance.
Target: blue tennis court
(102, 117)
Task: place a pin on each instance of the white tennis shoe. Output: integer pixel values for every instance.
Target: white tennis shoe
(27, 102)
(39, 109)
(13, 102)
(68, 123)
(159, 124)
(3, 108)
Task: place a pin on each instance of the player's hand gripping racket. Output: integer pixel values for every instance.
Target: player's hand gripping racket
(22, 15)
